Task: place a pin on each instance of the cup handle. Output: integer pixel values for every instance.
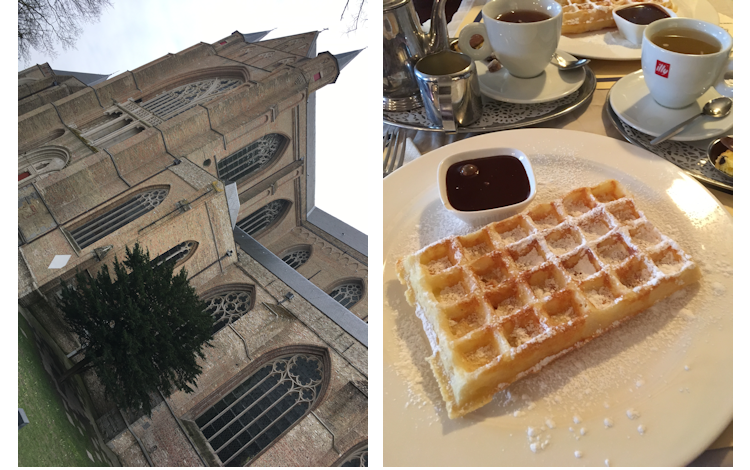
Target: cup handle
(464, 39)
(721, 85)
(446, 105)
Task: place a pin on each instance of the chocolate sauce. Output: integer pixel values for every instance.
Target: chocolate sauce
(642, 14)
(487, 183)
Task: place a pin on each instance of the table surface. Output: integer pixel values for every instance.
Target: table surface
(592, 118)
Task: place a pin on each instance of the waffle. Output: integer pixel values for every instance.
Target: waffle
(502, 302)
(580, 16)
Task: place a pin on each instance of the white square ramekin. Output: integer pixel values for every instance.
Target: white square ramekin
(486, 216)
(631, 31)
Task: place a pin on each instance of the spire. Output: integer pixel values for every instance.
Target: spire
(344, 58)
(254, 37)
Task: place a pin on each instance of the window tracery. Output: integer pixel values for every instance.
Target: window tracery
(264, 217)
(178, 100)
(297, 256)
(228, 306)
(252, 158)
(253, 415)
(179, 254)
(356, 457)
(122, 214)
(348, 293)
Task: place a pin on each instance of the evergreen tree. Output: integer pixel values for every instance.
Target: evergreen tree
(142, 332)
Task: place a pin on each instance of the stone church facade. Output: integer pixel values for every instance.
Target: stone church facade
(207, 157)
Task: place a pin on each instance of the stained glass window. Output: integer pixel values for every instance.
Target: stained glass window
(348, 293)
(252, 158)
(227, 307)
(253, 415)
(297, 257)
(179, 254)
(137, 205)
(178, 100)
(264, 217)
(356, 457)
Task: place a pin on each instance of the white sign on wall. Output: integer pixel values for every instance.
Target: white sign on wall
(59, 261)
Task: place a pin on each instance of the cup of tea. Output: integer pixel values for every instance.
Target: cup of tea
(450, 89)
(523, 34)
(682, 58)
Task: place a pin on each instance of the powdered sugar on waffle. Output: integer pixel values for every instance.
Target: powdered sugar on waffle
(583, 268)
(584, 379)
(452, 293)
(532, 258)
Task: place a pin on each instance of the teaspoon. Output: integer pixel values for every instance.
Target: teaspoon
(716, 108)
(567, 63)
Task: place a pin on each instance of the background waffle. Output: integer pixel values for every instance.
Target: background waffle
(580, 16)
(507, 299)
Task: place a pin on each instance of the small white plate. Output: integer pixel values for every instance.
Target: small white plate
(550, 85)
(632, 102)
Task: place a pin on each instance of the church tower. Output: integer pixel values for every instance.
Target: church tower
(206, 157)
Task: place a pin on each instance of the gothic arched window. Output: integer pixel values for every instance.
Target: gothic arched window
(256, 413)
(297, 256)
(39, 161)
(252, 158)
(123, 213)
(348, 293)
(264, 217)
(228, 305)
(355, 457)
(179, 254)
(178, 100)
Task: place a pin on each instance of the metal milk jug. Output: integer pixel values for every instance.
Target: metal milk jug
(404, 44)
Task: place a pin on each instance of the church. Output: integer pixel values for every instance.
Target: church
(205, 157)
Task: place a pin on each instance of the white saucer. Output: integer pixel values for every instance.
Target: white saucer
(550, 85)
(632, 102)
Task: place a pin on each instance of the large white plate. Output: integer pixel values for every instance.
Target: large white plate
(671, 365)
(609, 44)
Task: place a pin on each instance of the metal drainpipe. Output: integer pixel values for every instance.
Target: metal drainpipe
(140, 444)
(333, 443)
(247, 351)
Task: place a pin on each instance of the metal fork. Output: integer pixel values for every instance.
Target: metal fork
(394, 150)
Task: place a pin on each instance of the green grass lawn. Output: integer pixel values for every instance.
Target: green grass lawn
(50, 440)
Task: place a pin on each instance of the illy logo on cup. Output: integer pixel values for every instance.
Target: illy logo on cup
(662, 69)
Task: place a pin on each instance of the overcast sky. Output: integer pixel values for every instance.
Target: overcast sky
(135, 32)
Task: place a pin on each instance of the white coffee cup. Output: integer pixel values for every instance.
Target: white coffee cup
(676, 80)
(524, 49)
